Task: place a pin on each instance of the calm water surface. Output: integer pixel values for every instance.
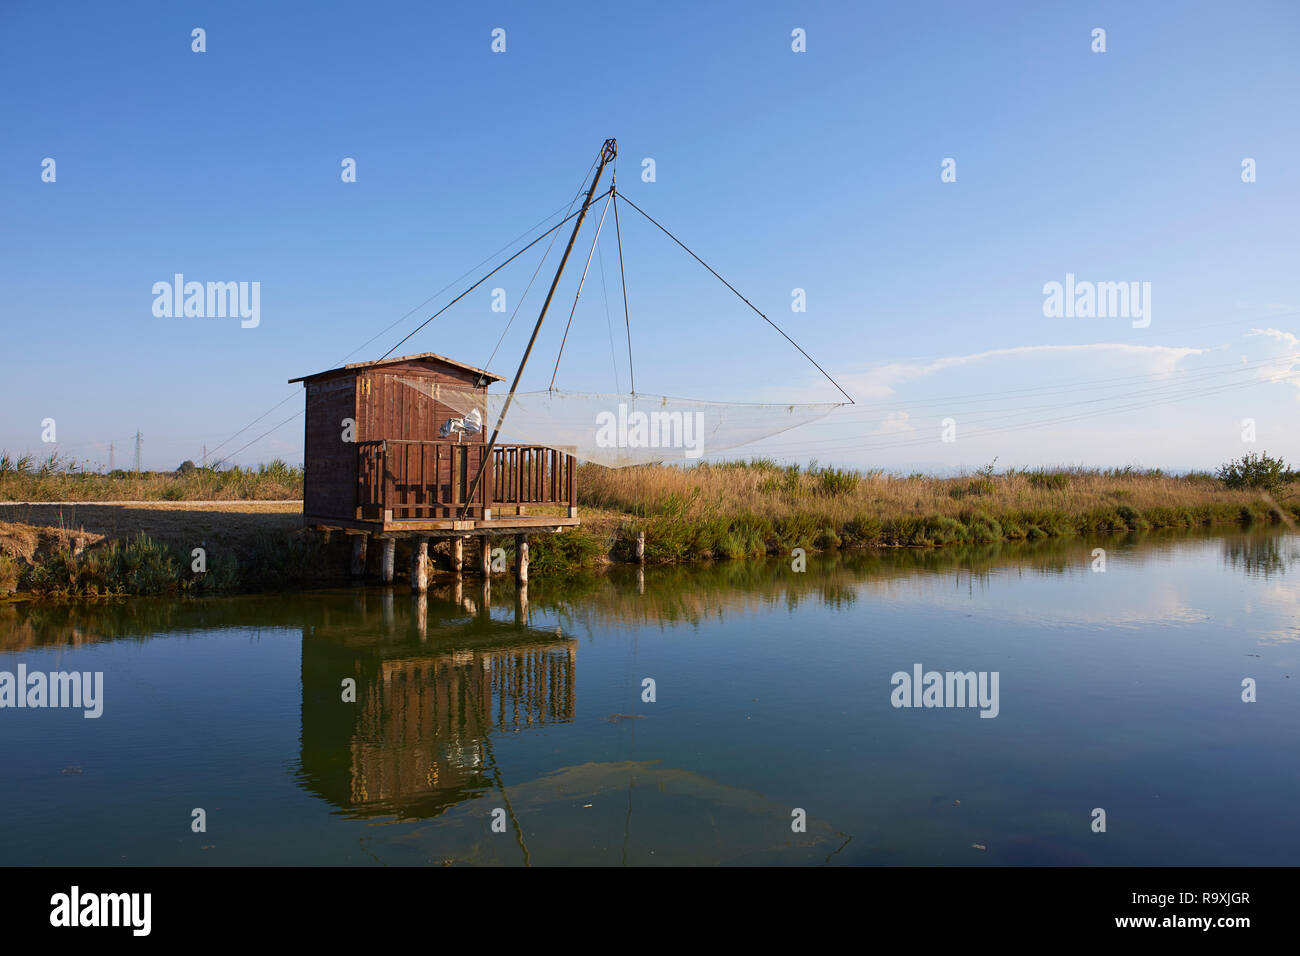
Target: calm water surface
(1119, 690)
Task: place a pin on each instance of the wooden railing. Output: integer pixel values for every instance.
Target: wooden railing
(427, 479)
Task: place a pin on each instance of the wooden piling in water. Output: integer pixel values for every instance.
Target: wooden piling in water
(420, 566)
(389, 559)
(359, 545)
(457, 555)
(521, 605)
(485, 555)
(521, 558)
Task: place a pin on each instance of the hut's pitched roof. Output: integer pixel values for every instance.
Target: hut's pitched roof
(420, 357)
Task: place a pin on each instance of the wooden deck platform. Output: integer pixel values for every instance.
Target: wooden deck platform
(425, 490)
(444, 527)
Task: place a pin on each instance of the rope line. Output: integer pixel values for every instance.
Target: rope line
(742, 299)
(477, 284)
(546, 255)
(577, 295)
(622, 276)
(386, 329)
(609, 322)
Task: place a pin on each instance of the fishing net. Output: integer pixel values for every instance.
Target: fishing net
(617, 430)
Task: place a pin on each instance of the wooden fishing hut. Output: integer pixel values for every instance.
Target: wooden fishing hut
(378, 464)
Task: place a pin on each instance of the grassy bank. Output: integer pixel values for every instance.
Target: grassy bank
(143, 565)
(708, 512)
(753, 508)
(23, 478)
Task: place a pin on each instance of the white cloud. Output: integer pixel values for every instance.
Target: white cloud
(882, 381)
(1290, 374)
(893, 424)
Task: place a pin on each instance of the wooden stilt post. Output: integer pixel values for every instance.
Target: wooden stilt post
(420, 566)
(521, 558)
(485, 555)
(457, 555)
(521, 604)
(390, 558)
(359, 543)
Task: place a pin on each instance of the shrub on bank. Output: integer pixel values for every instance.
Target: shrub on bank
(1253, 470)
(560, 553)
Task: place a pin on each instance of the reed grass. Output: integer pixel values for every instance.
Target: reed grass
(759, 507)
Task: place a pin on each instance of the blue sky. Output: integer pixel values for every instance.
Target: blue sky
(817, 170)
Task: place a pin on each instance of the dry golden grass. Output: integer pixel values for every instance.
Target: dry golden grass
(712, 490)
(734, 509)
(59, 479)
(181, 523)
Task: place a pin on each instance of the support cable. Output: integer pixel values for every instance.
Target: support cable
(577, 295)
(609, 322)
(742, 299)
(545, 255)
(420, 326)
(480, 282)
(622, 276)
(398, 321)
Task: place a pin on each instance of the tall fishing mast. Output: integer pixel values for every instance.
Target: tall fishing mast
(607, 153)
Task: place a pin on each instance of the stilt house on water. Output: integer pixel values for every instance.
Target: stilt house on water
(399, 447)
(384, 458)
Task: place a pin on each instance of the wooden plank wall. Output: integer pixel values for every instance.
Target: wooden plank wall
(389, 409)
(393, 411)
(329, 487)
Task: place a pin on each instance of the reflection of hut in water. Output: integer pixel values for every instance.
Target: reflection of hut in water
(416, 741)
